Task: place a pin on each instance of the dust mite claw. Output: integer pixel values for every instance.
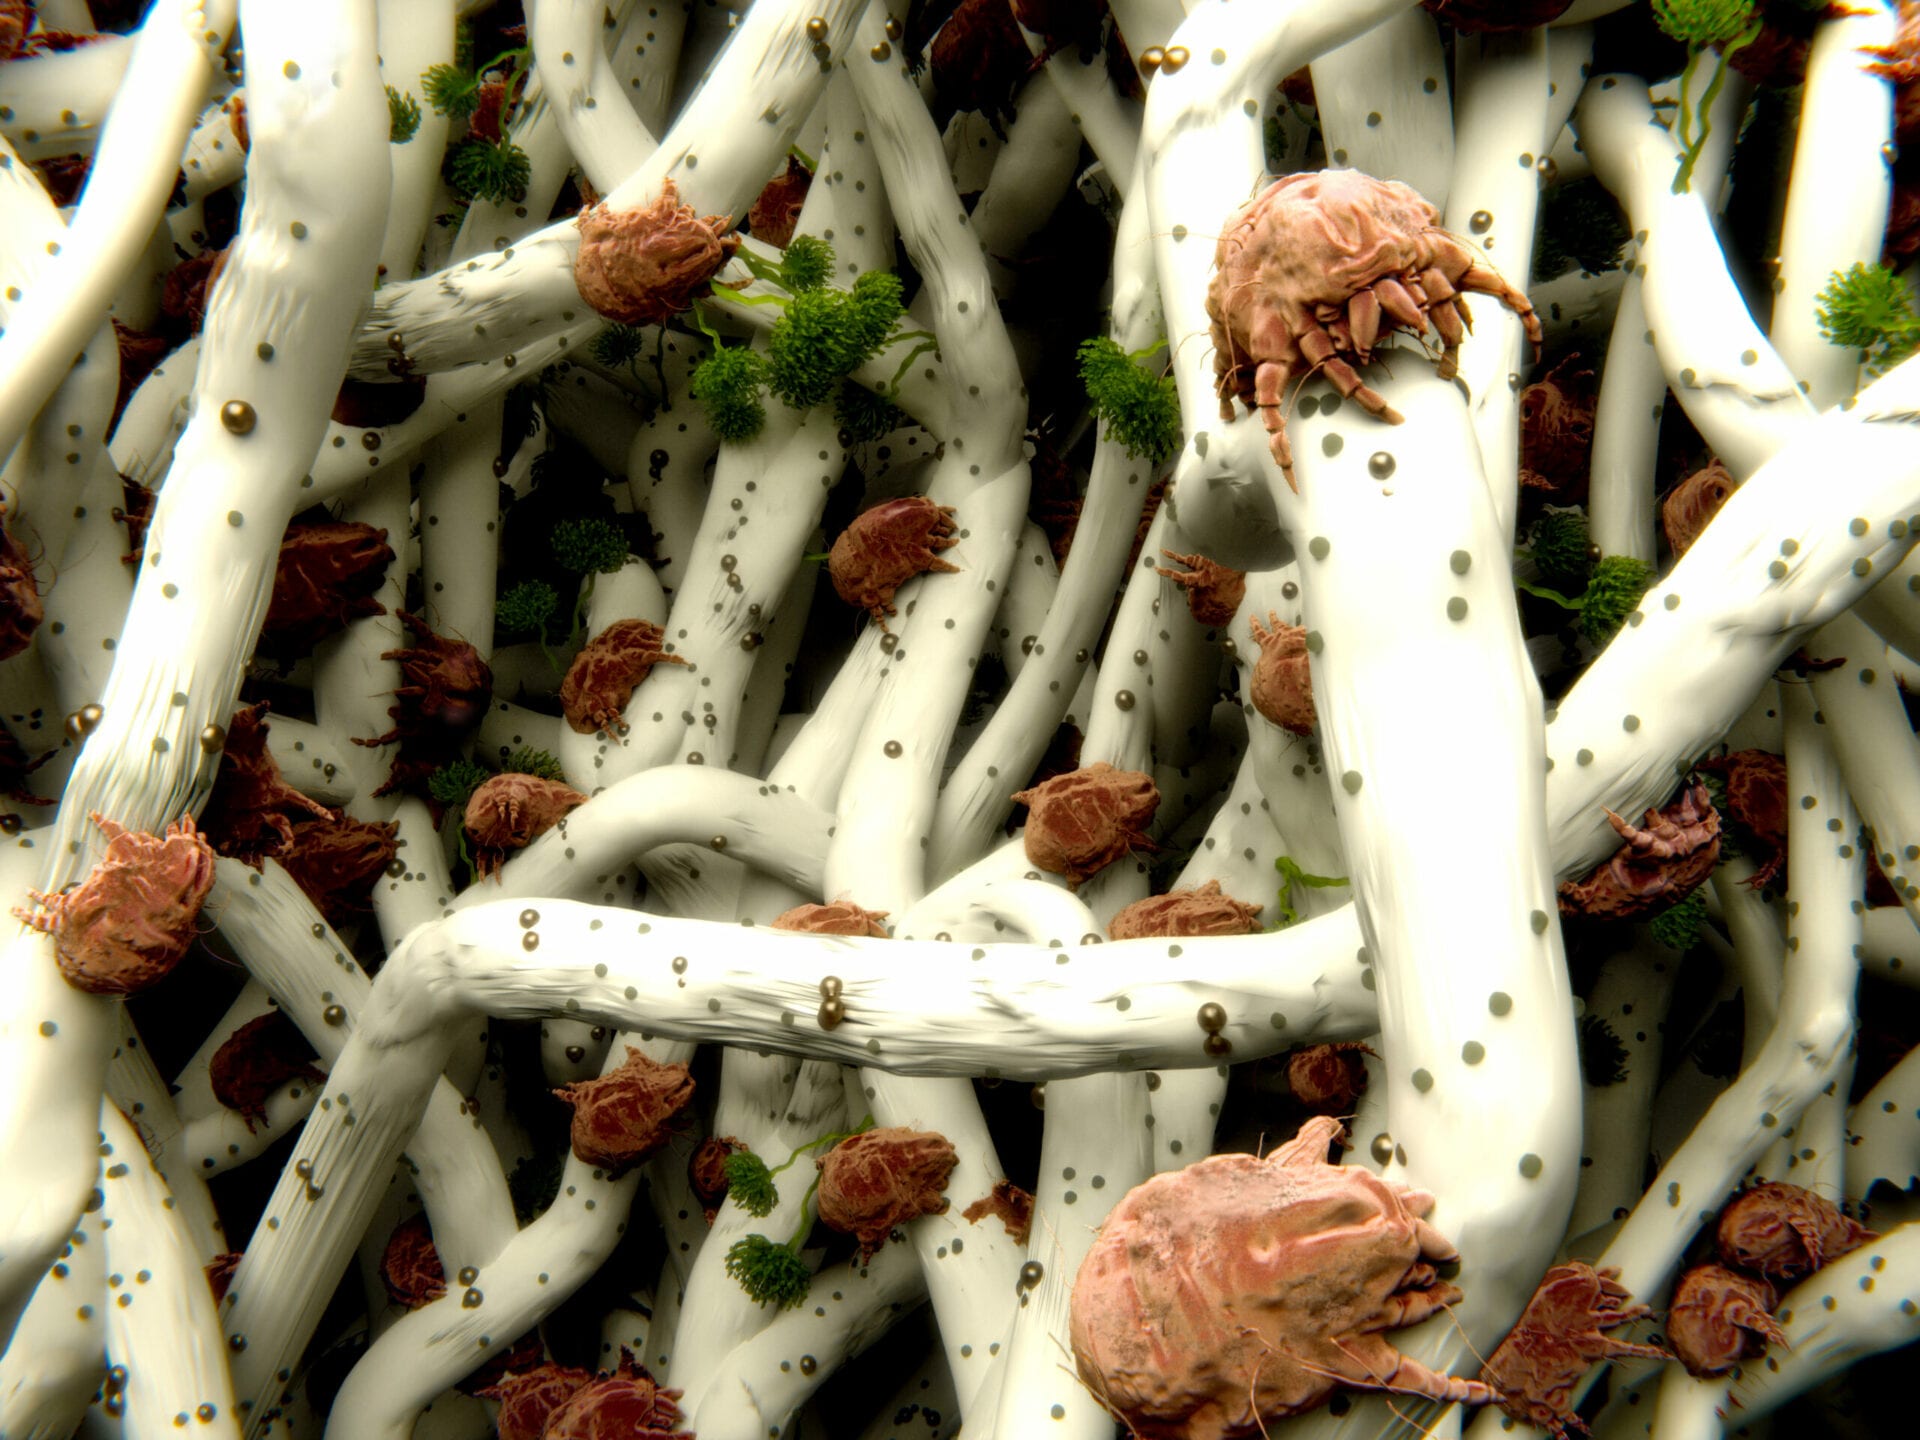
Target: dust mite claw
(1240, 1291)
(1213, 591)
(125, 927)
(1314, 271)
(1561, 1333)
(1658, 865)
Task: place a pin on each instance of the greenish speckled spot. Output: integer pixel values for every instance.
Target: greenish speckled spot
(1538, 919)
(1456, 608)
(1423, 1080)
(1315, 642)
(1583, 757)
(1778, 569)
(1672, 602)
(1460, 562)
(1863, 567)
(1367, 981)
(1473, 1052)
(1319, 546)
(1630, 723)
(1331, 445)
(1500, 1003)
(1531, 1166)
(1351, 782)
(1857, 525)
(1277, 1020)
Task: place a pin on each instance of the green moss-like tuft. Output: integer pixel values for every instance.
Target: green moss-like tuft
(769, 1272)
(452, 785)
(1560, 540)
(1141, 410)
(1869, 307)
(452, 91)
(618, 345)
(535, 1182)
(1613, 593)
(589, 546)
(807, 263)
(874, 307)
(1603, 1059)
(825, 335)
(529, 761)
(1678, 926)
(865, 415)
(526, 607)
(496, 170)
(1700, 23)
(750, 1184)
(403, 117)
(727, 385)
(1579, 225)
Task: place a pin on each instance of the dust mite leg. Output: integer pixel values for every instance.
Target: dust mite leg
(1269, 391)
(1398, 302)
(1363, 319)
